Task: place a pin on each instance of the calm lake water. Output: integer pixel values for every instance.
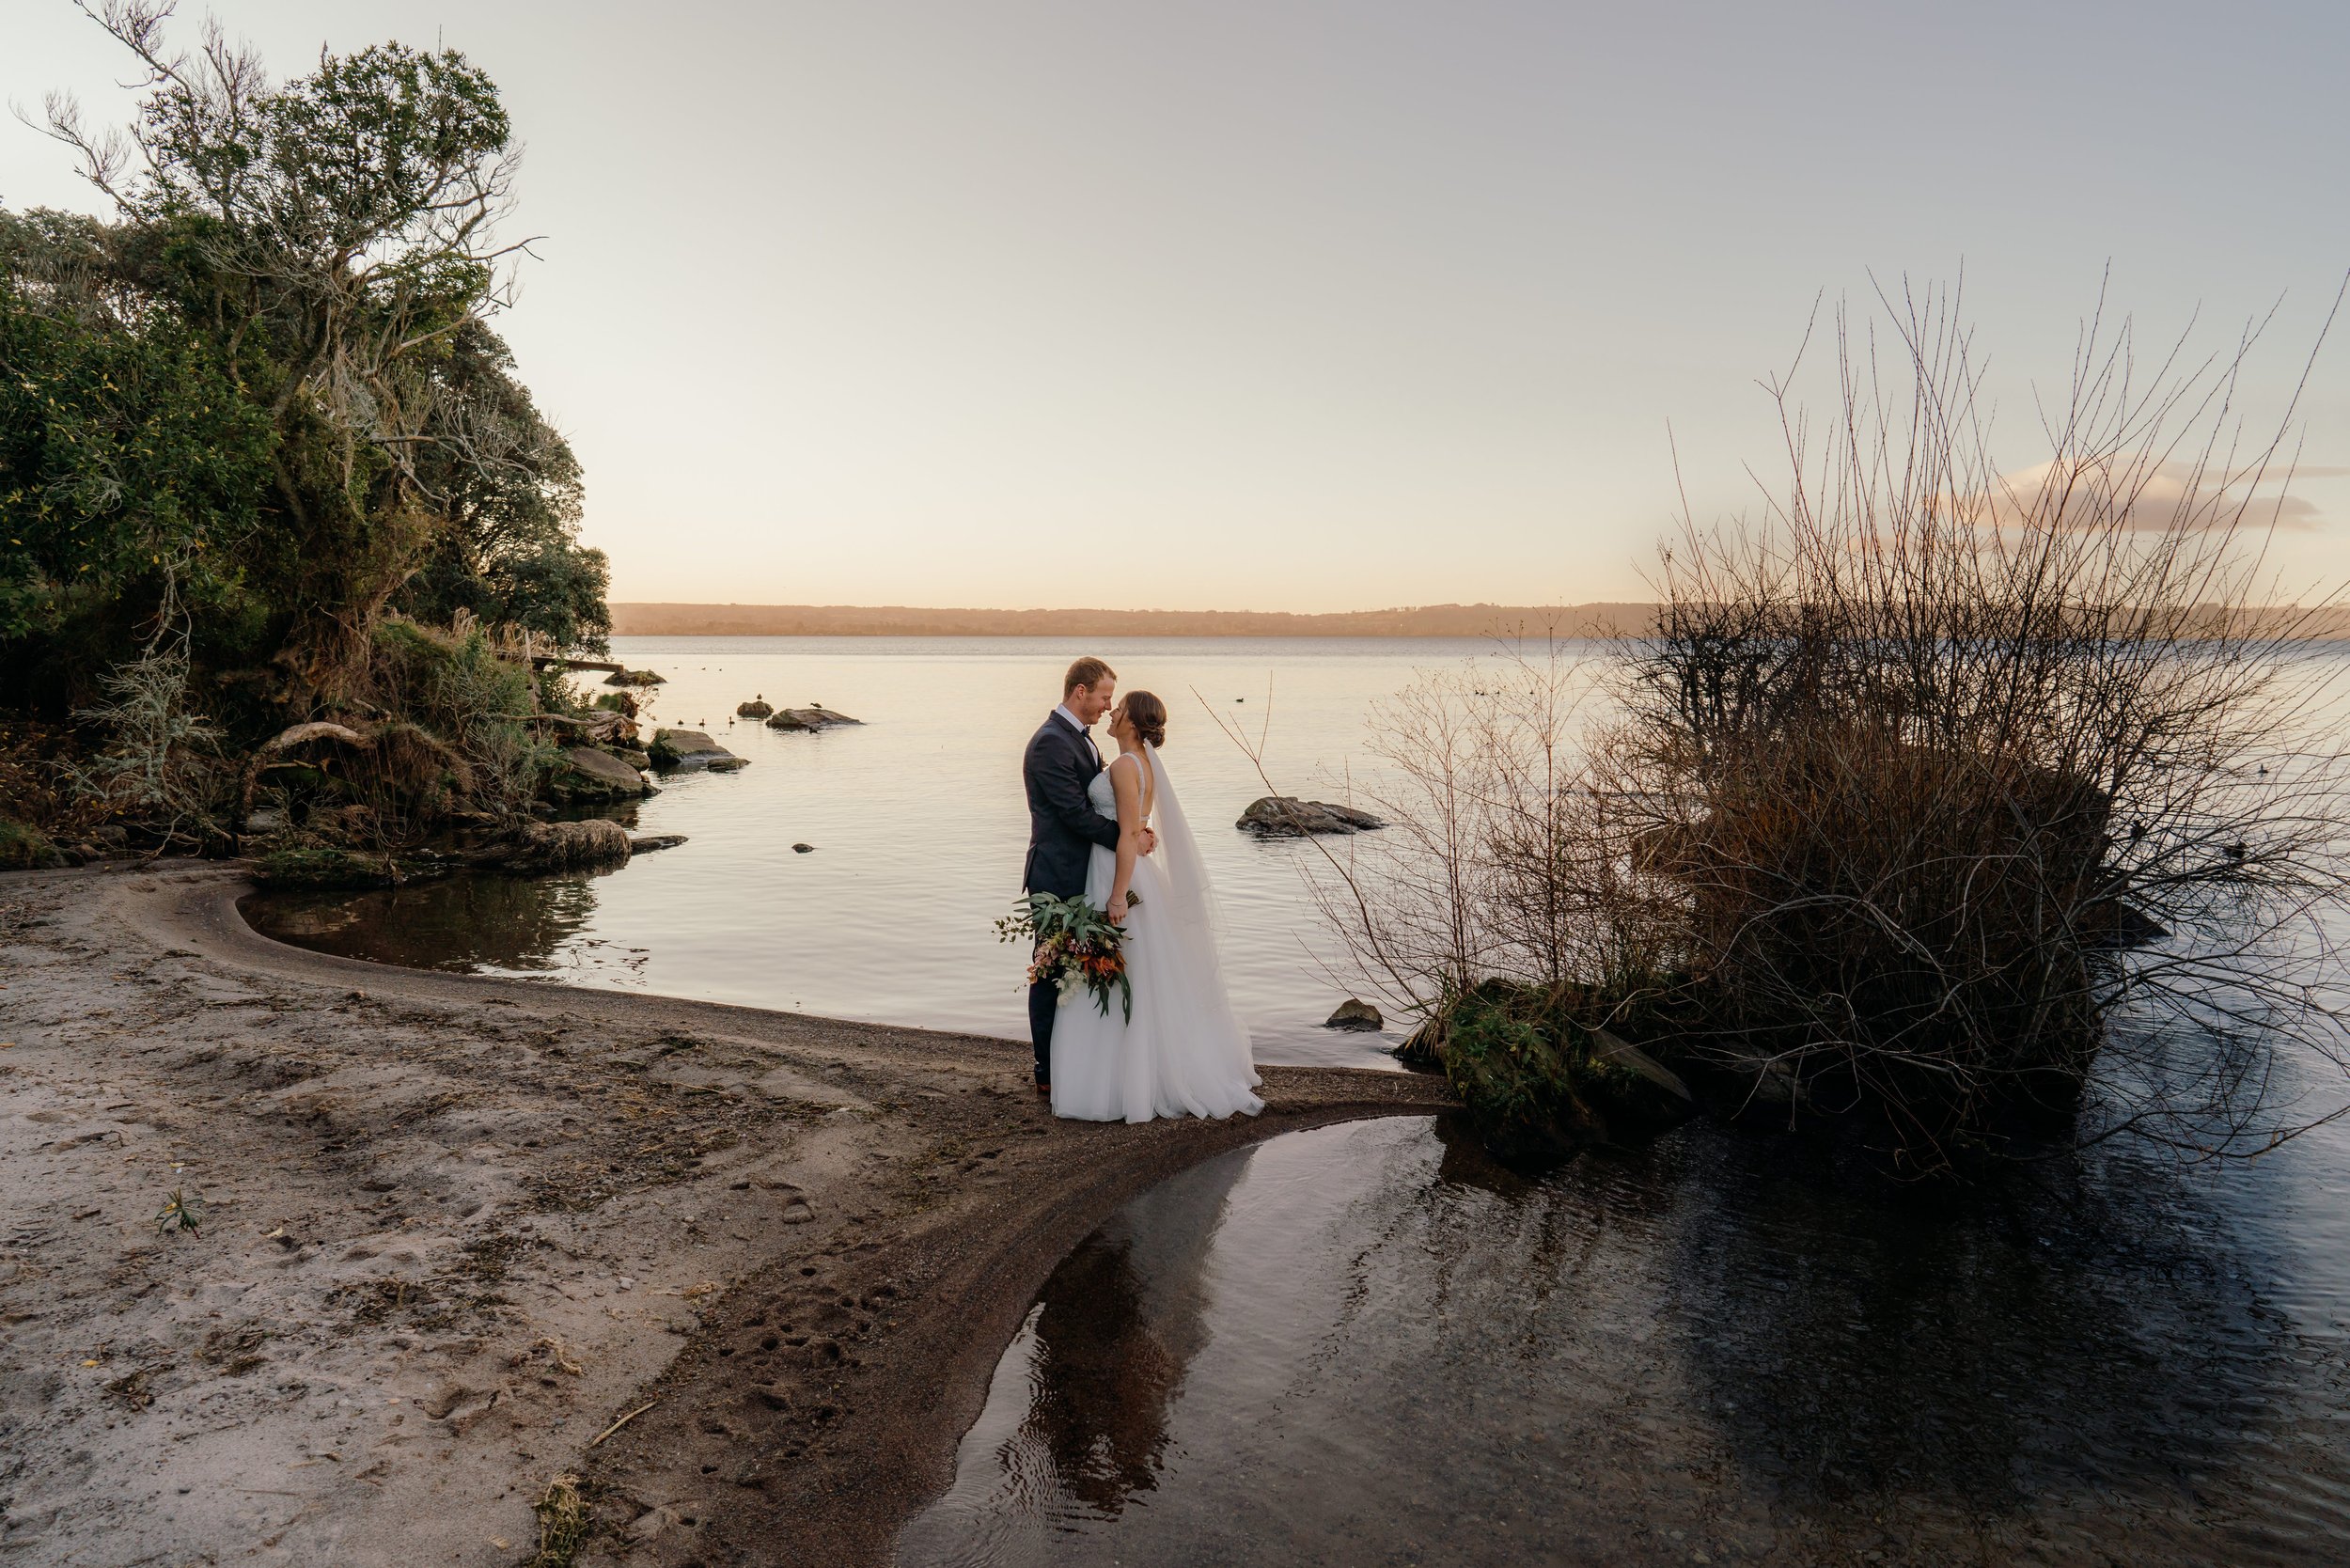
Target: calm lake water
(919, 825)
(1367, 1344)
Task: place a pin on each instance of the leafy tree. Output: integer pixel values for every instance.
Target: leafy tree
(266, 399)
(132, 467)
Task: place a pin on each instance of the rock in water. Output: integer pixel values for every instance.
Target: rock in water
(635, 678)
(818, 717)
(754, 708)
(1354, 1013)
(540, 847)
(691, 751)
(653, 841)
(1616, 1051)
(1283, 817)
(802, 849)
(586, 773)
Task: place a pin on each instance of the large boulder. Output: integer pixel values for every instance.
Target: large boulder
(585, 774)
(1283, 817)
(1356, 1013)
(690, 750)
(818, 717)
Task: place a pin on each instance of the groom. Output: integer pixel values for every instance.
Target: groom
(1063, 826)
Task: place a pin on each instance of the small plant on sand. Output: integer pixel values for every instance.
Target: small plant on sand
(181, 1211)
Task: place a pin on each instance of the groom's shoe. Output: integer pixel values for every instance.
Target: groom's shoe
(1045, 1088)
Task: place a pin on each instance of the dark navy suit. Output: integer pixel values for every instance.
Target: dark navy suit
(1063, 827)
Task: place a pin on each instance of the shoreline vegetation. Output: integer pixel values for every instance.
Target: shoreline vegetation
(1955, 811)
(290, 558)
(1599, 619)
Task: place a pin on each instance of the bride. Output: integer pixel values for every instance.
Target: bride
(1185, 1052)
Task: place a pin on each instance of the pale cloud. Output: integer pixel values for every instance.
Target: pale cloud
(2158, 496)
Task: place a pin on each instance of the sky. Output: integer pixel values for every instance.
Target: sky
(1289, 305)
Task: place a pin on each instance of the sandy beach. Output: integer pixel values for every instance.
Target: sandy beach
(454, 1229)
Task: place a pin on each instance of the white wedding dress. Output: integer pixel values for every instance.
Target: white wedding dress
(1184, 1053)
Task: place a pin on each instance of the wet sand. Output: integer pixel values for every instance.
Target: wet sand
(454, 1228)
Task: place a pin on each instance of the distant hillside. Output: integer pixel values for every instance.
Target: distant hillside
(851, 620)
(1425, 621)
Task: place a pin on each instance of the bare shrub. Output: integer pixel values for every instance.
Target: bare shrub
(1932, 792)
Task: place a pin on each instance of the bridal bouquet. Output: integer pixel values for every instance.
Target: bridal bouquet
(1076, 945)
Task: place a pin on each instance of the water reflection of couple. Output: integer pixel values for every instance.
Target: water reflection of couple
(1116, 834)
(1117, 1328)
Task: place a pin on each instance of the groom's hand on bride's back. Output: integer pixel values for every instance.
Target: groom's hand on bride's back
(1146, 840)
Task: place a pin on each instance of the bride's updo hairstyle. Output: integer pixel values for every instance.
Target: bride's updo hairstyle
(1148, 714)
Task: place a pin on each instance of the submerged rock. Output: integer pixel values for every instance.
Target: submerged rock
(1355, 1013)
(635, 678)
(2118, 927)
(1284, 817)
(691, 751)
(818, 717)
(653, 841)
(802, 849)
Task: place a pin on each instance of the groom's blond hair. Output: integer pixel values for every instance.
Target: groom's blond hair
(1087, 673)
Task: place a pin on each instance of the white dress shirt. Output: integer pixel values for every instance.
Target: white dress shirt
(1085, 734)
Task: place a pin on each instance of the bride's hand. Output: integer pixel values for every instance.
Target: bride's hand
(1118, 909)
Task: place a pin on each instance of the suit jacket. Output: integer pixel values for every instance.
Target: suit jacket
(1063, 826)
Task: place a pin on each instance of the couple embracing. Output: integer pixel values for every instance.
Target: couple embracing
(1115, 834)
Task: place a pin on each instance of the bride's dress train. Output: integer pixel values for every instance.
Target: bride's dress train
(1184, 1053)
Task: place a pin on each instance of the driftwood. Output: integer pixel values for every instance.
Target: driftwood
(393, 752)
(285, 740)
(602, 728)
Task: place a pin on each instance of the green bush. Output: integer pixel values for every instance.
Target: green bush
(1540, 1079)
(26, 848)
(459, 689)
